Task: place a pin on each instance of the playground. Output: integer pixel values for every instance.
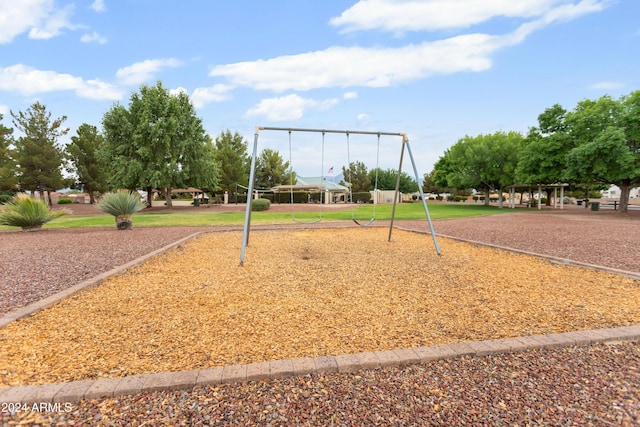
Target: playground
(319, 289)
(305, 293)
(332, 288)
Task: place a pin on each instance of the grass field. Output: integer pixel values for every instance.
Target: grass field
(206, 217)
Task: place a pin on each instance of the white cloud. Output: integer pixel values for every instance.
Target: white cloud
(29, 81)
(357, 66)
(4, 110)
(289, 107)
(350, 95)
(381, 67)
(98, 6)
(563, 13)
(430, 15)
(93, 37)
(53, 24)
(607, 85)
(178, 90)
(205, 95)
(39, 18)
(364, 120)
(143, 71)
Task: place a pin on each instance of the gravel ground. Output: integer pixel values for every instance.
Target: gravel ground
(603, 238)
(576, 386)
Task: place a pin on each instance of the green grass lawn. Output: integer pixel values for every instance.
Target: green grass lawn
(404, 211)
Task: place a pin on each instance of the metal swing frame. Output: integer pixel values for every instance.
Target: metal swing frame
(405, 143)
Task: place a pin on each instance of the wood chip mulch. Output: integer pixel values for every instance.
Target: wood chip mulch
(305, 293)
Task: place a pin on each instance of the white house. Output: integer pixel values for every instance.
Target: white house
(614, 193)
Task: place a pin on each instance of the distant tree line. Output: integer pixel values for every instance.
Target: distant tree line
(155, 143)
(595, 145)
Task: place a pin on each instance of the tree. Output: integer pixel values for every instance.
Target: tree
(231, 155)
(82, 153)
(158, 142)
(607, 149)
(8, 178)
(616, 147)
(543, 158)
(357, 177)
(38, 154)
(387, 180)
(442, 171)
(485, 162)
(271, 170)
(428, 184)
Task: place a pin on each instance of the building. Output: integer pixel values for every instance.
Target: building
(614, 193)
(334, 193)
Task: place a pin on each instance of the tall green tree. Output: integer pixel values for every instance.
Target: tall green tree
(432, 184)
(8, 177)
(608, 149)
(231, 155)
(158, 142)
(387, 180)
(38, 153)
(542, 160)
(357, 176)
(443, 173)
(484, 162)
(84, 160)
(272, 170)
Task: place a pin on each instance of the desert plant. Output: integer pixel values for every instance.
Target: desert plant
(28, 213)
(64, 201)
(121, 204)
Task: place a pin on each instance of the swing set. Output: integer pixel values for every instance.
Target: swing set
(405, 142)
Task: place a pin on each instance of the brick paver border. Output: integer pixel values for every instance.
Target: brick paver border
(76, 391)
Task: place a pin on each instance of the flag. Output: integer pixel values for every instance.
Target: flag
(330, 171)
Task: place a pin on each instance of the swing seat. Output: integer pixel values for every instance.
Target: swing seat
(368, 223)
(305, 222)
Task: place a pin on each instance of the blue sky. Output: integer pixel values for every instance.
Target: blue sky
(434, 69)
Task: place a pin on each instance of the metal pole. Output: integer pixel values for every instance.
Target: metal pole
(353, 132)
(395, 195)
(424, 200)
(247, 212)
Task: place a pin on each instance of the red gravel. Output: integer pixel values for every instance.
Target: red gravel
(596, 386)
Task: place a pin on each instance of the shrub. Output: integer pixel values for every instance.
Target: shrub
(64, 201)
(28, 213)
(121, 204)
(260, 204)
(285, 197)
(4, 198)
(361, 197)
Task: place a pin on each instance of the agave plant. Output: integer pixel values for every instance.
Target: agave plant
(121, 204)
(28, 213)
